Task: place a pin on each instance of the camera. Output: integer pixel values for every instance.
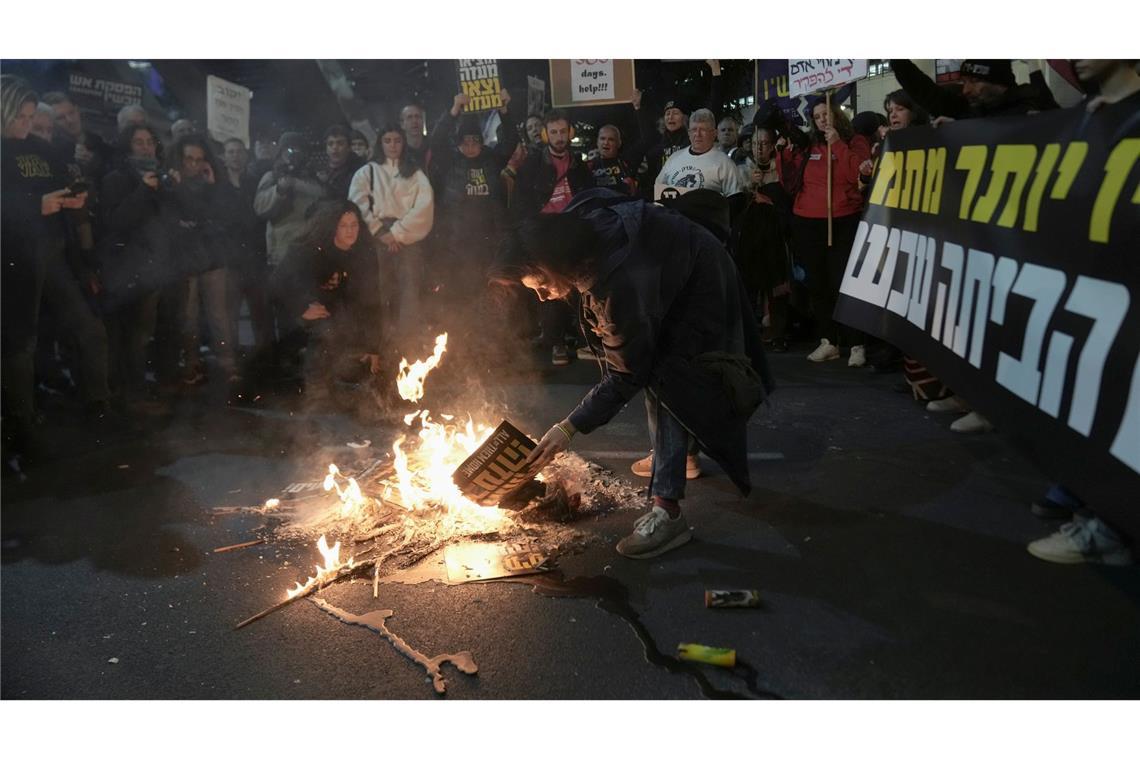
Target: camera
(289, 162)
(77, 187)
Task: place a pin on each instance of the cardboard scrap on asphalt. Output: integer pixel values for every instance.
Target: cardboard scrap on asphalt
(479, 562)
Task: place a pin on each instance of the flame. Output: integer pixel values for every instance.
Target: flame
(410, 378)
(352, 500)
(332, 566)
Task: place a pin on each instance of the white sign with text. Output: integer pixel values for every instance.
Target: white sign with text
(807, 75)
(227, 110)
(592, 79)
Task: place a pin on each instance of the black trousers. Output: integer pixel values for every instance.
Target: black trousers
(824, 266)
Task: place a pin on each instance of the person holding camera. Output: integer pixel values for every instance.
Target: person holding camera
(285, 195)
(35, 238)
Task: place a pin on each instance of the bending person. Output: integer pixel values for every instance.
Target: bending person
(664, 304)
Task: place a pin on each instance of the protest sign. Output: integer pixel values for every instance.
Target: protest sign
(535, 95)
(479, 80)
(227, 110)
(591, 82)
(811, 74)
(1001, 253)
(97, 94)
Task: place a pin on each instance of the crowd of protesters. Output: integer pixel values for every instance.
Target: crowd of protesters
(123, 259)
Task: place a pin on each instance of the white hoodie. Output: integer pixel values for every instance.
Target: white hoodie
(380, 192)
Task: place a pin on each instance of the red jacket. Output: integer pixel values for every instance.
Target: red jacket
(811, 200)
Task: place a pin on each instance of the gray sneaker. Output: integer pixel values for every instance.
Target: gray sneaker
(1083, 539)
(653, 534)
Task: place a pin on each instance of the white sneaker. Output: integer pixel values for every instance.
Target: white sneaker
(948, 404)
(654, 534)
(858, 357)
(1082, 540)
(824, 353)
(971, 423)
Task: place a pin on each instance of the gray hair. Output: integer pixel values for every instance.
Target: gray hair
(702, 114)
(14, 93)
(125, 113)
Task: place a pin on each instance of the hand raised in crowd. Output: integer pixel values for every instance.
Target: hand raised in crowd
(150, 179)
(459, 102)
(208, 173)
(938, 122)
(506, 98)
(389, 240)
(832, 135)
(315, 311)
(373, 362)
(635, 101)
(556, 440)
(714, 64)
(866, 167)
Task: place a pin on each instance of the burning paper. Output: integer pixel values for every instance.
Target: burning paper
(410, 378)
(325, 573)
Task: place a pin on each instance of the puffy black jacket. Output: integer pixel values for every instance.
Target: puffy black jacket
(537, 178)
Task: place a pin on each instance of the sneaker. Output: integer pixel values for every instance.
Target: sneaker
(824, 353)
(585, 353)
(858, 357)
(1082, 540)
(653, 534)
(948, 404)
(559, 356)
(972, 423)
(643, 468)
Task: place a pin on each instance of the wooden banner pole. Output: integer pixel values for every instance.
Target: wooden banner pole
(827, 156)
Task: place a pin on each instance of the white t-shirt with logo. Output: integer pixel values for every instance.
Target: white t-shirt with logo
(711, 170)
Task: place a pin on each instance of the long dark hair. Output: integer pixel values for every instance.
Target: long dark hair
(407, 165)
(320, 228)
(918, 115)
(839, 120)
(556, 247)
(174, 157)
(127, 133)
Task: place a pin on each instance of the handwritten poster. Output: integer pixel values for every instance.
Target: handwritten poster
(591, 82)
(227, 110)
(811, 74)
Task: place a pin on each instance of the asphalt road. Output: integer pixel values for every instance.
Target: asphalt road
(889, 553)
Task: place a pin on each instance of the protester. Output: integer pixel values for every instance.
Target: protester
(608, 167)
(135, 260)
(532, 131)
(86, 152)
(341, 164)
(805, 177)
(663, 301)
(547, 181)
(246, 263)
(358, 143)
(285, 195)
(398, 207)
(43, 122)
(988, 89)
(727, 134)
(182, 128)
(698, 165)
(37, 273)
(413, 124)
(472, 209)
(131, 115)
(328, 288)
(199, 242)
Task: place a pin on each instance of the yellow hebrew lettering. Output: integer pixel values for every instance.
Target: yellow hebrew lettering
(912, 180)
(1116, 170)
(1017, 160)
(935, 170)
(885, 177)
(971, 159)
(1037, 191)
(1070, 165)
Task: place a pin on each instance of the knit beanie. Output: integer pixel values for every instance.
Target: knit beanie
(996, 71)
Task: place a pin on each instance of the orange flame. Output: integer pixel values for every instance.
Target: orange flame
(352, 500)
(325, 573)
(410, 378)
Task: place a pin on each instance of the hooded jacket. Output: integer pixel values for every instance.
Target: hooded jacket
(667, 309)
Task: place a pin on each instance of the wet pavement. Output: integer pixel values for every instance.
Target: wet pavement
(889, 553)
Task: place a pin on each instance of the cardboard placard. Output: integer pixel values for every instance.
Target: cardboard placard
(496, 468)
(227, 110)
(591, 82)
(479, 80)
(535, 95)
(812, 74)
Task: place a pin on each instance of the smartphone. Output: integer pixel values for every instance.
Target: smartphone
(77, 187)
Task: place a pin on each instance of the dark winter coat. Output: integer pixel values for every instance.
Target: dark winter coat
(668, 309)
(537, 178)
(134, 247)
(1016, 101)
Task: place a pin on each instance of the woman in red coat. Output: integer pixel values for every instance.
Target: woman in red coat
(805, 174)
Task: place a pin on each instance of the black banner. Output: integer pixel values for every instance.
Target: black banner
(1005, 255)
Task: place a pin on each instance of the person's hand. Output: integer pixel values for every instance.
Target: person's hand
(82, 153)
(883, 132)
(94, 286)
(175, 176)
(459, 102)
(942, 120)
(759, 197)
(635, 101)
(390, 242)
(506, 98)
(832, 135)
(556, 440)
(1094, 105)
(373, 362)
(757, 176)
(714, 64)
(150, 179)
(73, 201)
(315, 311)
(52, 203)
(208, 173)
(285, 185)
(866, 167)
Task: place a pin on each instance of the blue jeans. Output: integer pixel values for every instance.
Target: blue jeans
(671, 444)
(1062, 497)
